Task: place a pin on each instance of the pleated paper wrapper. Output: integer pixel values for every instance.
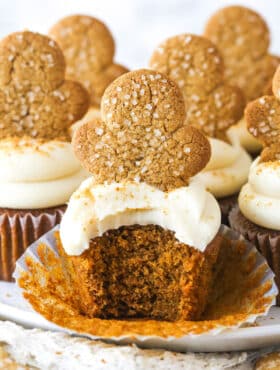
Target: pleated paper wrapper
(20, 228)
(39, 274)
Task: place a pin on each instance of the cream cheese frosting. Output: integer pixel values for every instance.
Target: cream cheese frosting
(37, 174)
(259, 199)
(227, 169)
(190, 212)
(239, 133)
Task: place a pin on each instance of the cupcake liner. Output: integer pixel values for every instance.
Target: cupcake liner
(245, 291)
(226, 204)
(266, 240)
(20, 228)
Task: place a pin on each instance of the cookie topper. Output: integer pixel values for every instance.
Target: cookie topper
(89, 50)
(142, 135)
(242, 37)
(263, 121)
(195, 64)
(35, 100)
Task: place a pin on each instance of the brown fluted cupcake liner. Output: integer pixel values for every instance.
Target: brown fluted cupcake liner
(19, 229)
(266, 240)
(226, 204)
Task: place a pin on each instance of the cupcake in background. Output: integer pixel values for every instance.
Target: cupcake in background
(38, 169)
(89, 49)
(242, 37)
(258, 218)
(195, 64)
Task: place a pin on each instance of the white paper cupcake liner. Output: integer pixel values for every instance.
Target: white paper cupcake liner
(158, 341)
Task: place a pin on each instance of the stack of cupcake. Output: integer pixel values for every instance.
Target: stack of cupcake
(141, 237)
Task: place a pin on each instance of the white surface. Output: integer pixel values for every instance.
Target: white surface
(267, 333)
(138, 25)
(57, 351)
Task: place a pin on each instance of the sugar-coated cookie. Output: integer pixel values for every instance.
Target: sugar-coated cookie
(263, 120)
(89, 50)
(195, 64)
(35, 98)
(242, 37)
(142, 135)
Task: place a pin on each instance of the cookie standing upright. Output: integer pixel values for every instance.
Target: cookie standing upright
(242, 37)
(257, 216)
(212, 105)
(89, 49)
(141, 209)
(142, 135)
(38, 168)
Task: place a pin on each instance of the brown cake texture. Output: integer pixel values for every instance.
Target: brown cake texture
(18, 229)
(142, 272)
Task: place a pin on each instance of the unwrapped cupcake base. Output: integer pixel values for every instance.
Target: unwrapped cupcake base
(243, 291)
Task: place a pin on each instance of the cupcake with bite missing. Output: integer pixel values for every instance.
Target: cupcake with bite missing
(89, 49)
(140, 237)
(213, 106)
(38, 169)
(257, 216)
(242, 37)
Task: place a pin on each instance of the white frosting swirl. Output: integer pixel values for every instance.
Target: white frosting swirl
(259, 199)
(191, 212)
(36, 174)
(227, 169)
(239, 133)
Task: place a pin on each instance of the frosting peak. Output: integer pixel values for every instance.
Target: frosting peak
(35, 173)
(227, 169)
(259, 199)
(191, 212)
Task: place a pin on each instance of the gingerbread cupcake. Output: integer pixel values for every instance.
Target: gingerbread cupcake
(213, 106)
(140, 238)
(242, 37)
(89, 49)
(257, 217)
(38, 169)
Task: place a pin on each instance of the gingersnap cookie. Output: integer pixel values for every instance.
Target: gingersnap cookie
(142, 135)
(36, 99)
(89, 49)
(195, 64)
(38, 169)
(242, 37)
(262, 116)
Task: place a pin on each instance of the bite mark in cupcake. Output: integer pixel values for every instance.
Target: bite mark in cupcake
(141, 213)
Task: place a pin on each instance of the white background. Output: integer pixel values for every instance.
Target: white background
(138, 25)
